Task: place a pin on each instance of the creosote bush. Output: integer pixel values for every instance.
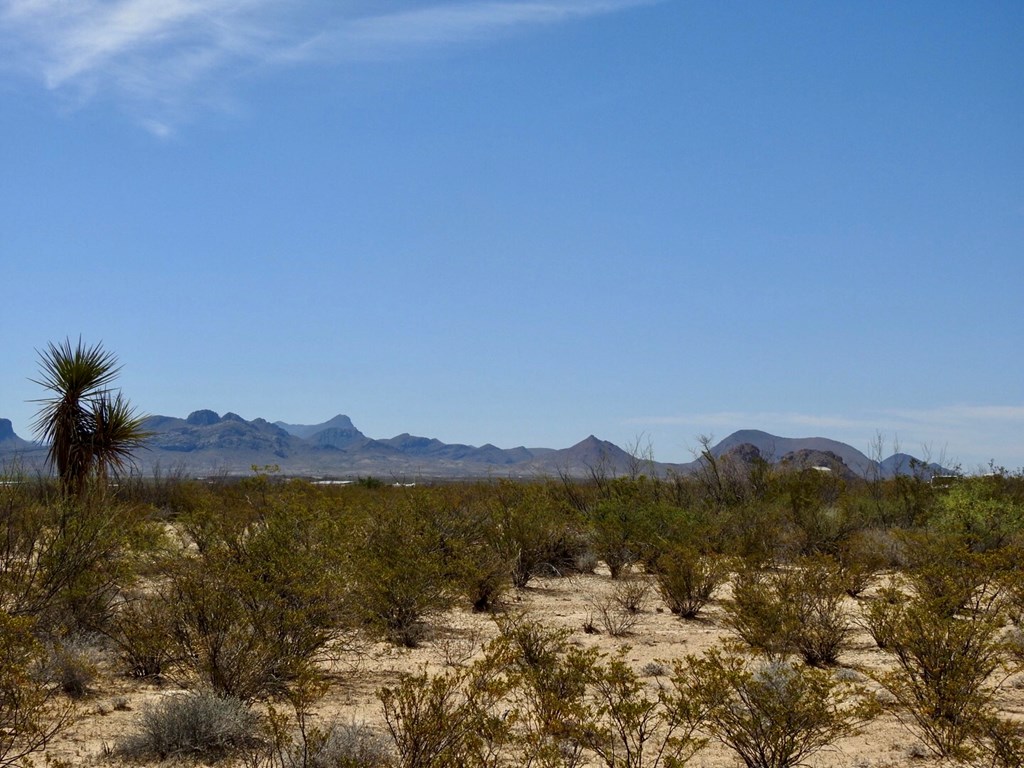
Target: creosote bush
(63, 561)
(946, 671)
(534, 699)
(793, 609)
(143, 627)
(254, 610)
(31, 711)
(635, 726)
(403, 570)
(535, 531)
(687, 579)
(773, 714)
(862, 557)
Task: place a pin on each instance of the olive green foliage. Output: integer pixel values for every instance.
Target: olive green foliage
(90, 427)
(448, 720)
(942, 569)
(635, 726)
(819, 519)
(142, 628)
(773, 714)
(614, 523)
(404, 565)
(982, 511)
(949, 664)
(907, 501)
(536, 530)
(31, 711)
(550, 697)
(687, 579)
(63, 561)
(253, 609)
(472, 543)
(864, 555)
(755, 531)
(794, 609)
(534, 699)
(623, 522)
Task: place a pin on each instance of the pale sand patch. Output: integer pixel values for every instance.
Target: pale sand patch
(659, 637)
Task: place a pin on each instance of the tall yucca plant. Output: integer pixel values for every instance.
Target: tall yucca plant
(90, 427)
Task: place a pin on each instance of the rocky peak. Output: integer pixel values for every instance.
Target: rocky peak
(203, 418)
(745, 453)
(808, 458)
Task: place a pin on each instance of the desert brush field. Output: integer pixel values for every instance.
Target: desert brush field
(772, 619)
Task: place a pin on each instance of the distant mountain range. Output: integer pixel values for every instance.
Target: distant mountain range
(206, 443)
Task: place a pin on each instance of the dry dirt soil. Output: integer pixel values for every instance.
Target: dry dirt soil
(356, 675)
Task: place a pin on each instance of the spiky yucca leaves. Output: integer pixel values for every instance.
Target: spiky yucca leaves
(90, 427)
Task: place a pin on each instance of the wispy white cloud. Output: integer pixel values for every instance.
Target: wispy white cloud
(160, 57)
(455, 23)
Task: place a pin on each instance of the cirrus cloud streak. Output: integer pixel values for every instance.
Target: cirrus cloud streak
(163, 58)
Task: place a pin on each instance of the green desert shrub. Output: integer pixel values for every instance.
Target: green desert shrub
(772, 714)
(31, 710)
(199, 725)
(402, 569)
(625, 522)
(470, 534)
(687, 579)
(758, 614)
(551, 677)
(945, 676)
(862, 556)
(242, 636)
(142, 628)
(795, 609)
(535, 531)
(981, 512)
(63, 561)
(816, 510)
(449, 720)
(631, 725)
(1002, 743)
(258, 607)
(753, 530)
(818, 590)
(879, 615)
(945, 572)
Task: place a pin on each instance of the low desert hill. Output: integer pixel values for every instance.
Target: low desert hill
(207, 443)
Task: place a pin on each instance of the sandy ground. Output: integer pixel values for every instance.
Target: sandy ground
(659, 636)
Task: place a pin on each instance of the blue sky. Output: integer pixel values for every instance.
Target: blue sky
(525, 222)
